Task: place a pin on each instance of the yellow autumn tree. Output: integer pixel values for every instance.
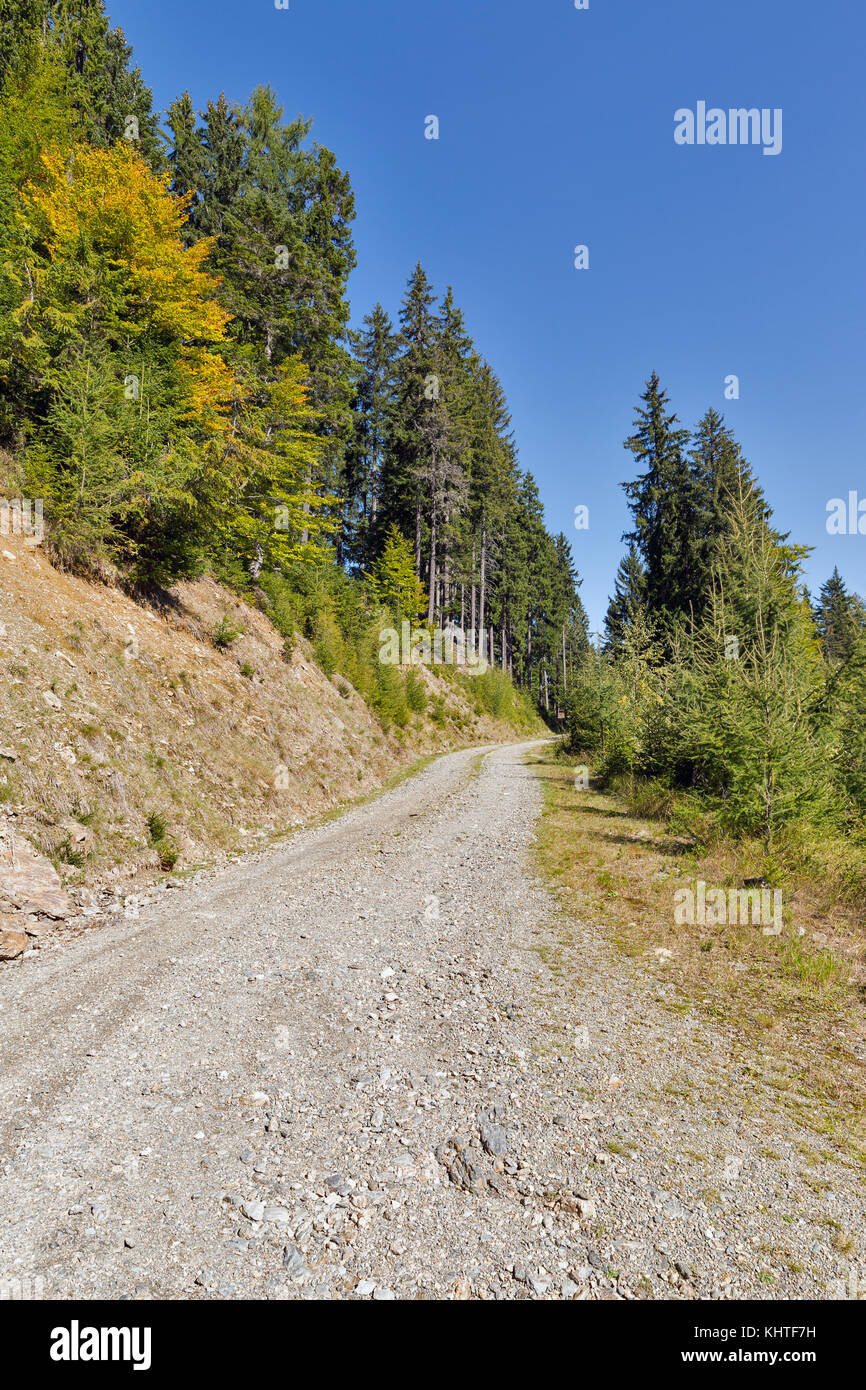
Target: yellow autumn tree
(121, 327)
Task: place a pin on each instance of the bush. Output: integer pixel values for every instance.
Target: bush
(388, 698)
(168, 855)
(225, 633)
(416, 692)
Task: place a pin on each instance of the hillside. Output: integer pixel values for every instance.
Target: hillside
(128, 737)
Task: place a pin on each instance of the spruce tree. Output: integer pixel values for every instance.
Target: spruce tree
(663, 504)
(629, 597)
(417, 400)
(839, 618)
(760, 732)
(108, 93)
(720, 474)
(361, 484)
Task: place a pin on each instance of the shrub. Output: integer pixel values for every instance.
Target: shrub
(416, 692)
(168, 855)
(225, 633)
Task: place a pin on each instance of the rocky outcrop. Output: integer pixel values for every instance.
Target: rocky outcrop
(32, 897)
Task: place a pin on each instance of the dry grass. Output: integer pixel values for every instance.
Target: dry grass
(793, 1005)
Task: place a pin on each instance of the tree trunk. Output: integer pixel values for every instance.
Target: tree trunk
(483, 594)
(431, 593)
(472, 598)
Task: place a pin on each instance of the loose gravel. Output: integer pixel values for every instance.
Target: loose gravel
(378, 1063)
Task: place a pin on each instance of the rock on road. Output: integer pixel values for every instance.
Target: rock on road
(351, 1067)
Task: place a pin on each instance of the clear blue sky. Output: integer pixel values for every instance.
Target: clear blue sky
(557, 129)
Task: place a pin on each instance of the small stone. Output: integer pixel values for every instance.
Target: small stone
(12, 944)
(457, 1158)
(277, 1216)
(51, 699)
(494, 1139)
(254, 1099)
(293, 1261)
(365, 1288)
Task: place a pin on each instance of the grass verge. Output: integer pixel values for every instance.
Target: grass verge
(793, 1005)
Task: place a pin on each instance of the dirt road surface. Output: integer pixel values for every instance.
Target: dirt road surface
(376, 1062)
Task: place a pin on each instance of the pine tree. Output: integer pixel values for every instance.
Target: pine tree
(280, 215)
(23, 28)
(663, 504)
(109, 95)
(762, 741)
(186, 162)
(393, 580)
(720, 474)
(361, 485)
(416, 398)
(629, 598)
(839, 618)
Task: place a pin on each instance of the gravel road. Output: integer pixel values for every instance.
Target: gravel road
(377, 1062)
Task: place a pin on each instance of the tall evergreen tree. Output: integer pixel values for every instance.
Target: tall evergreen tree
(839, 618)
(108, 93)
(361, 484)
(663, 504)
(629, 597)
(720, 475)
(417, 404)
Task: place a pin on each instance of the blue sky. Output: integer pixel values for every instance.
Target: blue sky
(556, 129)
